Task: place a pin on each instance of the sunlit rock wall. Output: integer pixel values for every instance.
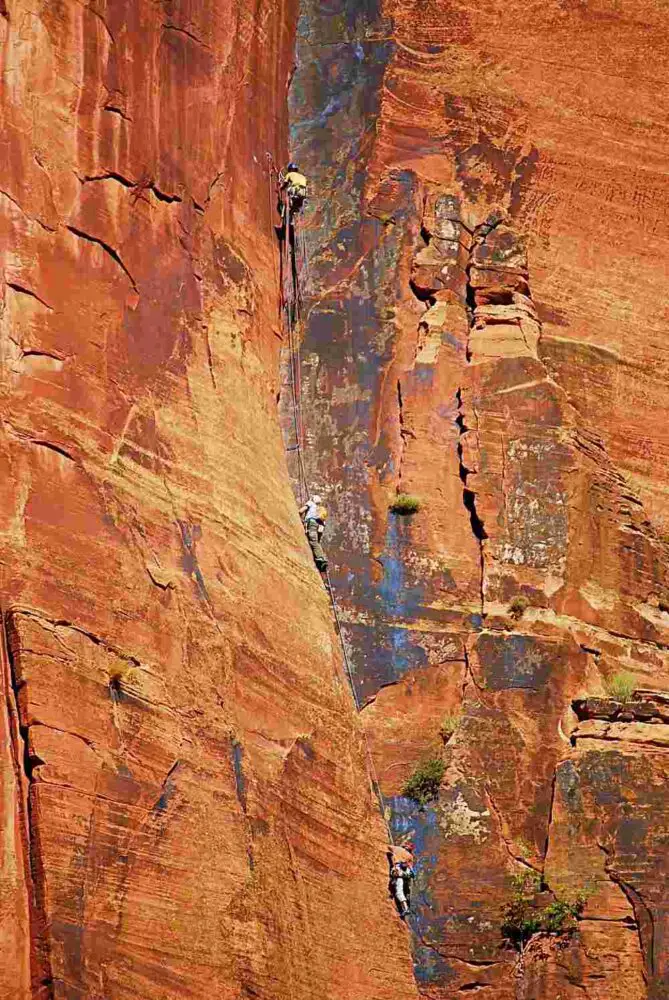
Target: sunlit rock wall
(485, 329)
(185, 806)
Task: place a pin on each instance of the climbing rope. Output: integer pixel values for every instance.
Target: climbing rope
(294, 270)
(288, 305)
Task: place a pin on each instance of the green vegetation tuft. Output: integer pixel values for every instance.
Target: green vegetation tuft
(404, 503)
(448, 726)
(423, 785)
(523, 916)
(621, 686)
(518, 607)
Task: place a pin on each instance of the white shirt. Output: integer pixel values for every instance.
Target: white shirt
(311, 513)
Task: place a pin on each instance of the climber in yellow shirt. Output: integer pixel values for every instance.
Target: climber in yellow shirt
(294, 184)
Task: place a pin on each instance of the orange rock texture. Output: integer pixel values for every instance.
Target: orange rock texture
(185, 804)
(485, 330)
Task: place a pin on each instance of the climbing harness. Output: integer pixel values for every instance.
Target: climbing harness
(293, 272)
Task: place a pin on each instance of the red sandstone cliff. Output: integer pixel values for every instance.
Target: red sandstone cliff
(185, 808)
(486, 329)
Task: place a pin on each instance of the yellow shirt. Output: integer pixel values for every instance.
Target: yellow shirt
(295, 179)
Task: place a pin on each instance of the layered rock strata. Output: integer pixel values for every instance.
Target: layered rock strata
(486, 244)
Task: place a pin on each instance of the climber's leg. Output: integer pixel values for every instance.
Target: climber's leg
(400, 897)
(317, 549)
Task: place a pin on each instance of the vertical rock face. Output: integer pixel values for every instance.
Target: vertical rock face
(487, 238)
(185, 805)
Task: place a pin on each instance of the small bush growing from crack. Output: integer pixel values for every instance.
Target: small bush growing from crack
(423, 785)
(404, 503)
(518, 607)
(522, 916)
(448, 726)
(621, 686)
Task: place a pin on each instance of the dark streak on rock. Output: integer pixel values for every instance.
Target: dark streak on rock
(240, 780)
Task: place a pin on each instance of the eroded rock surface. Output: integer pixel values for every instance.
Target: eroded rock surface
(487, 237)
(185, 805)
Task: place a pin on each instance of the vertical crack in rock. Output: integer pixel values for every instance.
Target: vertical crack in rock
(645, 922)
(404, 433)
(514, 855)
(469, 496)
(469, 673)
(25, 764)
(550, 820)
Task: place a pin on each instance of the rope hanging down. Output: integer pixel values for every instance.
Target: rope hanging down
(293, 267)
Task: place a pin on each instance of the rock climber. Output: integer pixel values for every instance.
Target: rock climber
(314, 515)
(402, 875)
(294, 184)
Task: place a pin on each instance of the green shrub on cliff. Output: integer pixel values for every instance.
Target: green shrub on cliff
(518, 607)
(448, 726)
(621, 686)
(523, 915)
(423, 785)
(404, 503)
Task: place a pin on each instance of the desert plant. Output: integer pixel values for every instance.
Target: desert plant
(522, 916)
(404, 503)
(520, 919)
(621, 686)
(448, 726)
(518, 607)
(560, 916)
(423, 785)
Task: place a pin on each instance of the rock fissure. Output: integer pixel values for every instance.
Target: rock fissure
(549, 822)
(504, 838)
(22, 290)
(25, 764)
(187, 33)
(53, 624)
(110, 175)
(469, 496)
(647, 940)
(31, 218)
(112, 109)
(108, 250)
(471, 962)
